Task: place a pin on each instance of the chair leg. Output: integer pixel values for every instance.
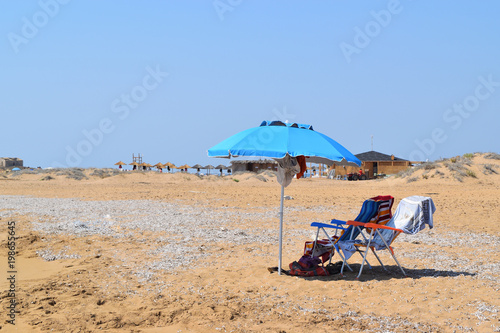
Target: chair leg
(344, 261)
(380, 261)
(363, 263)
(397, 262)
(361, 254)
(366, 253)
(392, 253)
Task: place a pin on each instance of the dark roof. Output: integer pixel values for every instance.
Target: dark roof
(376, 156)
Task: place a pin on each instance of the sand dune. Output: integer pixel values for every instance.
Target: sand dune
(101, 250)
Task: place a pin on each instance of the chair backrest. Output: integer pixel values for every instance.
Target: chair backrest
(413, 213)
(411, 216)
(390, 235)
(384, 214)
(376, 210)
(368, 211)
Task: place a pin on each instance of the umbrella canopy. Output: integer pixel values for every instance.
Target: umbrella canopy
(134, 163)
(277, 139)
(220, 166)
(159, 165)
(169, 164)
(16, 169)
(120, 163)
(185, 166)
(283, 142)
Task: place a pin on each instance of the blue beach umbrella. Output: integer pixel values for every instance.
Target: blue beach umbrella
(283, 142)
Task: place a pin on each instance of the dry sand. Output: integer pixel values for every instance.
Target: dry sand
(150, 252)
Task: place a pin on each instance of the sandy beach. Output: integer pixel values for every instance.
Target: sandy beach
(109, 251)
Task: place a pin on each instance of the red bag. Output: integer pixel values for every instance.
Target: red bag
(297, 269)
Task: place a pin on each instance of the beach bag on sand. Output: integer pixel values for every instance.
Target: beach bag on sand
(307, 266)
(309, 262)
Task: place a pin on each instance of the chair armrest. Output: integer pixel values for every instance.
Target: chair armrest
(338, 222)
(356, 223)
(380, 226)
(325, 225)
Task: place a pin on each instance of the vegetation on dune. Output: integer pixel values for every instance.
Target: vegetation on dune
(72, 173)
(492, 156)
(459, 167)
(468, 156)
(489, 169)
(104, 173)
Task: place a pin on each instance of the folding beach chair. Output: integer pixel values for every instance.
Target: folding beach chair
(374, 210)
(411, 216)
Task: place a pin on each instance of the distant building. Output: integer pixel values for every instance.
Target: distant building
(253, 165)
(373, 164)
(10, 162)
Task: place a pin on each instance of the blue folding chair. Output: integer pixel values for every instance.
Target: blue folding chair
(368, 211)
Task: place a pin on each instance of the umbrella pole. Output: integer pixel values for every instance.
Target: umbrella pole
(281, 227)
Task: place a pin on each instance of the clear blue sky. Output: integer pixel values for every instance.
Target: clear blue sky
(88, 83)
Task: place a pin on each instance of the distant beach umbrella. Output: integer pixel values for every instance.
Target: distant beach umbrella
(289, 144)
(169, 166)
(221, 168)
(145, 165)
(184, 167)
(197, 167)
(135, 164)
(16, 169)
(159, 165)
(208, 167)
(120, 163)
